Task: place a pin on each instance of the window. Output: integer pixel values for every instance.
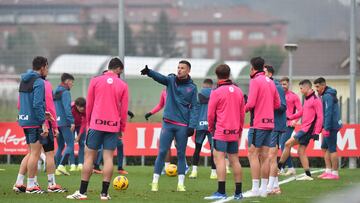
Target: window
(36, 18)
(199, 53)
(235, 51)
(199, 37)
(217, 53)
(7, 18)
(256, 36)
(217, 37)
(235, 35)
(67, 18)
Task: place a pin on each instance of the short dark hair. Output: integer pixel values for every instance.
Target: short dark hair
(39, 62)
(257, 63)
(80, 101)
(115, 63)
(270, 69)
(305, 82)
(66, 76)
(320, 80)
(285, 79)
(208, 81)
(222, 71)
(185, 62)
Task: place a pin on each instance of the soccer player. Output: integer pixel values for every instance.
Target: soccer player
(263, 99)
(106, 93)
(331, 126)
(179, 120)
(279, 129)
(78, 111)
(32, 120)
(202, 129)
(65, 120)
(293, 105)
(226, 116)
(311, 125)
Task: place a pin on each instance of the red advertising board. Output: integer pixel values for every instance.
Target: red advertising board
(143, 139)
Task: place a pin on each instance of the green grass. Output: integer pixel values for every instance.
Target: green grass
(139, 188)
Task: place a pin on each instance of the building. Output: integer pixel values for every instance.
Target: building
(228, 33)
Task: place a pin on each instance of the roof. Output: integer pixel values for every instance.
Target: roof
(79, 64)
(95, 64)
(199, 67)
(236, 67)
(319, 58)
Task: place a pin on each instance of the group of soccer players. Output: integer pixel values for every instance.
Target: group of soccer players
(216, 113)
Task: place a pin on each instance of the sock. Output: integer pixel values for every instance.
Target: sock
(60, 165)
(336, 173)
(194, 168)
(83, 186)
(181, 179)
(280, 165)
(213, 171)
(221, 187)
(328, 170)
(307, 172)
(238, 189)
(20, 179)
(30, 182)
(156, 178)
(270, 186)
(35, 180)
(51, 179)
(264, 183)
(73, 165)
(105, 187)
(276, 182)
(43, 157)
(255, 185)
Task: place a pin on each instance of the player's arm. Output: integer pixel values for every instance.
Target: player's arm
(319, 116)
(160, 105)
(90, 102)
(329, 105)
(49, 102)
(194, 114)
(252, 97)
(155, 75)
(66, 102)
(39, 100)
(212, 111)
(242, 114)
(124, 108)
(281, 94)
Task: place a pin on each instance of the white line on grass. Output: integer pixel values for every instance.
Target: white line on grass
(280, 183)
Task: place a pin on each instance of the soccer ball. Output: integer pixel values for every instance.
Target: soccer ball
(120, 183)
(171, 170)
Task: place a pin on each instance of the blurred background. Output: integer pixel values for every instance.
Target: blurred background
(80, 36)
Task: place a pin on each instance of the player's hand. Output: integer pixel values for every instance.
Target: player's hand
(48, 116)
(147, 115)
(56, 133)
(190, 132)
(45, 129)
(77, 139)
(325, 133)
(120, 134)
(72, 127)
(293, 123)
(145, 71)
(316, 137)
(131, 114)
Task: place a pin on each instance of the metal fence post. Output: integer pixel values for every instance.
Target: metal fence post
(142, 160)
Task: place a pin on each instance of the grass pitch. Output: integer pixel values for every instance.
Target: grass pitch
(139, 188)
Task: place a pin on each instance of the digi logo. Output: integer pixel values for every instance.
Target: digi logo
(109, 81)
(24, 117)
(231, 89)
